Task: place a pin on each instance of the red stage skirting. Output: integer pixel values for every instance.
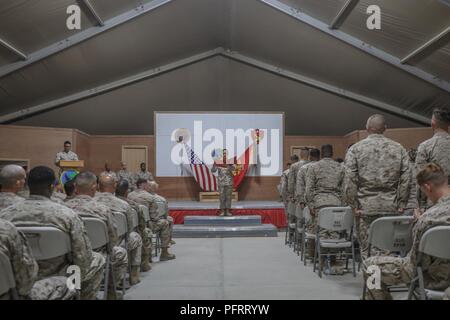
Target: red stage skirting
(277, 217)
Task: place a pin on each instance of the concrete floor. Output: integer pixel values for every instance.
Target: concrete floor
(239, 268)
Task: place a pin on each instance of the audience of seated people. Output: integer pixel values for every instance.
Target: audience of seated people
(378, 178)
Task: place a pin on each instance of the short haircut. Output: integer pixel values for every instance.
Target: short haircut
(294, 158)
(67, 142)
(314, 153)
(327, 151)
(41, 177)
(10, 174)
(376, 123)
(122, 188)
(141, 182)
(69, 187)
(432, 174)
(442, 117)
(85, 180)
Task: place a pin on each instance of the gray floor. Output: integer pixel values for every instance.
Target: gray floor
(239, 268)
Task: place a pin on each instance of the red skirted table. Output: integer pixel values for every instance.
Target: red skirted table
(275, 216)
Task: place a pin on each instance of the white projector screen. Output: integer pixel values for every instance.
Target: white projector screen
(205, 132)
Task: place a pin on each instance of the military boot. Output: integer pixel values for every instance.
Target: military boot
(165, 255)
(146, 260)
(222, 213)
(172, 241)
(134, 276)
(228, 213)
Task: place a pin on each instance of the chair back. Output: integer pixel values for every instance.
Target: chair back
(7, 281)
(434, 242)
(122, 223)
(392, 233)
(47, 242)
(97, 232)
(335, 218)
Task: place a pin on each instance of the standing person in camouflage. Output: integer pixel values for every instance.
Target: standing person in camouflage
(85, 205)
(105, 196)
(39, 210)
(225, 187)
(435, 150)
(66, 154)
(12, 181)
(159, 225)
(412, 200)
(143, 173)
(433, 181)
(144, 231)
(292, 179)
(377, 178)
(282, 187)
(163, 206)
(323, 188)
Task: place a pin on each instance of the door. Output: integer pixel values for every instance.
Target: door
(133, 156)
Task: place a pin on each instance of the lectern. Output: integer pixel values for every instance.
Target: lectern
(71, 164)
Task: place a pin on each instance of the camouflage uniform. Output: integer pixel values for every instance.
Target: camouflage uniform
(67, 156)
(377, 181)
(41, 211)
(397, 270)
(435, 150)
(323, 189)
(447, 294)
(119, 206)
(147, 175)
(58, 197)
(8, 199)
(143, 230)
(292, 182)
(125, 175)
(163, 206)
(412, 200)
(225, 185)
(283, 186)
(158, 225)
(110, 173)
(86, 206)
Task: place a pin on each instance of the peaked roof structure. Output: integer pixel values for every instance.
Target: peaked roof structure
(316, 60)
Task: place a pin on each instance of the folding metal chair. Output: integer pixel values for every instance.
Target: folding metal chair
(392, 234)
(337, 219)
(122, 231)
(97, 232)
(434, 242)
(306, 235)
(7, 280)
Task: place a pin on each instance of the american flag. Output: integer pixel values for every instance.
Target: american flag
(201, 172)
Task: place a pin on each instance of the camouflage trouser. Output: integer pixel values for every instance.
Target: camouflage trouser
(362, 232)
(225, 194)
(146, 236)
(394, 271)
(134, 249)
(162, 226)
(53, 288)
(90, 285)
(119, 262)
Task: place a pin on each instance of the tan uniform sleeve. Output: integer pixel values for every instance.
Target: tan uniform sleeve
(404, 185)
(350, 187)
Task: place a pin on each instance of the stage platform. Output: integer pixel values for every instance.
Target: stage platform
(271, 212)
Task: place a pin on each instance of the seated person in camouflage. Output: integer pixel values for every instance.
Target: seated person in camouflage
(163, 206)
(85, 205)
(397, 270)
(143, 229)
(69, 189)
(105, 196)
(58, 194)
(12, 181)
(108, 171)
(124, 174)
(15, 246)
(143, 173)
(159, 225)
(39, 210)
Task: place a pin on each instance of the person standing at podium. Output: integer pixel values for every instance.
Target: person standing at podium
(67, 154)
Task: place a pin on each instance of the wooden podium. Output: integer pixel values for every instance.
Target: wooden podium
(68, 165)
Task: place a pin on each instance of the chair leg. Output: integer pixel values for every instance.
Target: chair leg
(353, 261)
(319, 256)
(412, 288)
(315, 258)
(106, 278)
(421, 284)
